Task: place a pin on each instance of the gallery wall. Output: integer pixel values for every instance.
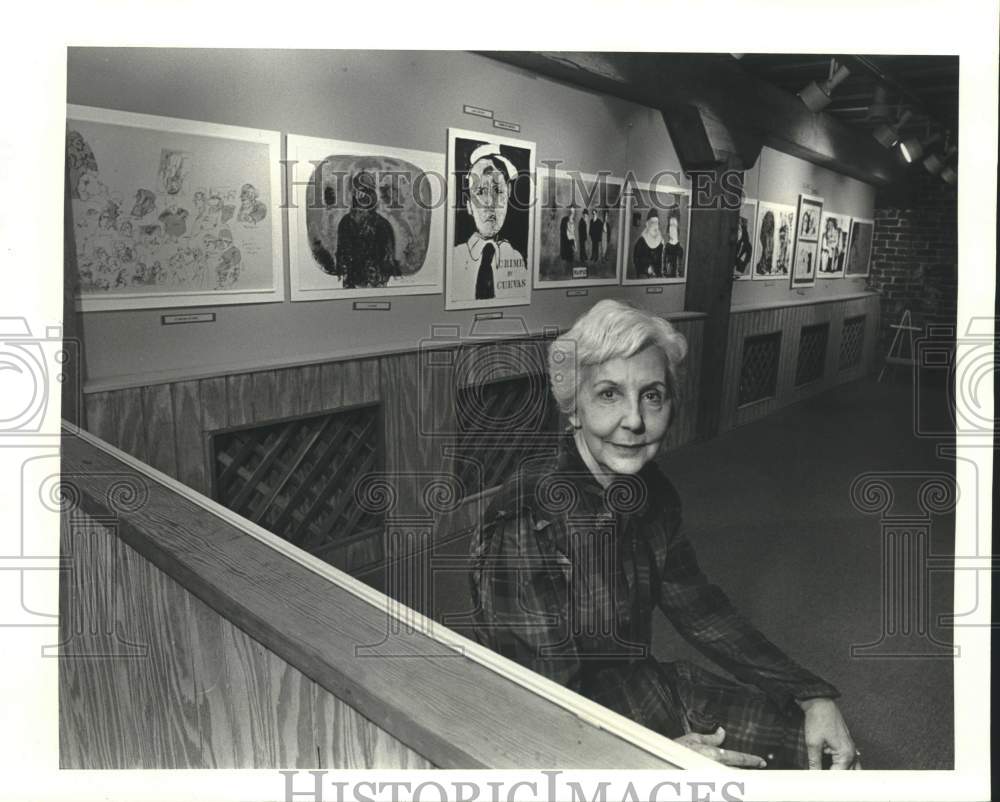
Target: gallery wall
(399, 99)
(780, 178)
(404, 100)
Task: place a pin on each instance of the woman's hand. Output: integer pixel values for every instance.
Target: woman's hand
(710, 746)
(826, 732)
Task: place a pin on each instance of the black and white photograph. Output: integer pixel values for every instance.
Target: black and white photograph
(491, 205)
(486, 430)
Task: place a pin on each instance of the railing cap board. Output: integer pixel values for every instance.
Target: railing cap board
(451, 700)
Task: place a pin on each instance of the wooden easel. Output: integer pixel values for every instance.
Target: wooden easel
(895, 355)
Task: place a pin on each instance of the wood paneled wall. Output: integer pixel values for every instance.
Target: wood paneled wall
(789, 320)
(151, 677)
(170, 425)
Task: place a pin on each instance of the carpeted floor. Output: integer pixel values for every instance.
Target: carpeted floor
(768, 508)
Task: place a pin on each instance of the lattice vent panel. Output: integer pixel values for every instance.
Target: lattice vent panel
(296, 478)
(499, 425)
(759, 369)
(852, 342)
(812, 353)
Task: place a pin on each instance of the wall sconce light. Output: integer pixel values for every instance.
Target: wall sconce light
(888, 135)
(913, 148)
(816, 96)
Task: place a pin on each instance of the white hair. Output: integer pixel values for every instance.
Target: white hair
(611, 329)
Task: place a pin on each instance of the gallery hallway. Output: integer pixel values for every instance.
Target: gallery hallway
(768, 507)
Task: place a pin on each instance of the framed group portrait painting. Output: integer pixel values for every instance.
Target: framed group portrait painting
(578, 229)
(655, 240)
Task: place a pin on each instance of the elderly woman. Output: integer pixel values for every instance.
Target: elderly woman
(575, 554)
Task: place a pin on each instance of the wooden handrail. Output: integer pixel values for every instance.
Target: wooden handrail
(453, 701)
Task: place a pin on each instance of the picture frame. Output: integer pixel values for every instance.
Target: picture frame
(809, 217)
(490, 220)
(655, 254)
(565, 228)
(743, 256)
(859, 248)
(773, 250)
(833, 245)
(169, 212)
(364, 220)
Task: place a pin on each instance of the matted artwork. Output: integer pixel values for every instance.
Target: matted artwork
(577, 230)
(804, 266)
(171, 212)
(775, 243)
(859, 249)
(809, 218)
(364, 220)
(656, 243)
(491, 196)
(743, 259)
(810, 214)
(835, 229)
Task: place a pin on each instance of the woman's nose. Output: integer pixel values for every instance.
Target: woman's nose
(632, 418)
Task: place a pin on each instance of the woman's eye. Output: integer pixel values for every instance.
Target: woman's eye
(607, 394)
(654, 396)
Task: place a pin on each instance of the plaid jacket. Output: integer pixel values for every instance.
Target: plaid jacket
(566, 575)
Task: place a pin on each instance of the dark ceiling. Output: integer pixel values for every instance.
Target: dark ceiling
(926, 85)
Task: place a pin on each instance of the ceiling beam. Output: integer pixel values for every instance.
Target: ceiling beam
(726, 95)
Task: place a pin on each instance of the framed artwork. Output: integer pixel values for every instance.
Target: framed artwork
(364, 220)
(171, 212)
(656, 237)
(491, 192)
(743, 258)
(773, 249)
(835, 229)
(810, 213)
(578, 230)
(859, 248)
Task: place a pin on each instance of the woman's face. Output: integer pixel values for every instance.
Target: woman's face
(623, 412)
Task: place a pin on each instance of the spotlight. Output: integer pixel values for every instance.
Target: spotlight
(878, 111)
(949, 175)
(888, 135)
(913, 148)
(935, 162)
(817, 96)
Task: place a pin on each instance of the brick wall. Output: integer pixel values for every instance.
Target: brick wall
(915, 253)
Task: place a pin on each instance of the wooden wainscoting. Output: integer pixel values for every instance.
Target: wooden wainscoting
(170, 425)
(151, 677)
(848, 354)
